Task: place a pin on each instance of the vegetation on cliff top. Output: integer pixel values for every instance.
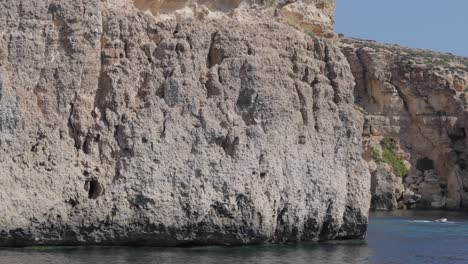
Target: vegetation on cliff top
(410, 57)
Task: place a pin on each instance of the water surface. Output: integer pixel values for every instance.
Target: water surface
(400, 237)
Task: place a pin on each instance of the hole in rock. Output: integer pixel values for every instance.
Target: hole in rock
(302, 140)
(425, 164)
(94, 188)
(72, 202)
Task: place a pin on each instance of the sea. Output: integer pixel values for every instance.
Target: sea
(393, 237)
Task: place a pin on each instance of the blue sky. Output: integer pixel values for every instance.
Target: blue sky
(440, 25)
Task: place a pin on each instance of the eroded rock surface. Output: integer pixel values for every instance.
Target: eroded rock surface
(386, 188)
(312, 16)
(118, 129)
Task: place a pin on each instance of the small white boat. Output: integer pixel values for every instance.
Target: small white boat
(442, 220)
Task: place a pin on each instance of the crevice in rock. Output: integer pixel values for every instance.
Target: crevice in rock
(63, 28)
(164, 127)
(229, 145)
(103, 92)
(39, 92)
(248, 96)
(220, 77)
(328, 229)
(303, 102)
(143, 91)
(126, 149)
(73, 128)
(1, 80)
(246, 104)
(401, 94)
(215, 54)
(87, 144)
(307, 76)
(261, 160)
(212, 85)
(315, 105)
(361, 83)
(126, 50)
(331, 75)
(89, 140)
(282, 229)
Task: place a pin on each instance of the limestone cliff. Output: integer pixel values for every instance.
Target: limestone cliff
(418, 98)
(313, 16)
(118, 127)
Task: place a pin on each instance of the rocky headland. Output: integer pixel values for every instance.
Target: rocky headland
(216, 122)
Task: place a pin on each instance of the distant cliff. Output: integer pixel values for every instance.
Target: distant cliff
(124, 127)
(416, 101)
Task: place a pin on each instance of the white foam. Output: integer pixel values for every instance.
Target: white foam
(429, 221)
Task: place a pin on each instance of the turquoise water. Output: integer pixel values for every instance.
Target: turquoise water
(402, 237)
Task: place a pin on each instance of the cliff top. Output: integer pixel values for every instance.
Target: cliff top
(313, 16)
(438, 61)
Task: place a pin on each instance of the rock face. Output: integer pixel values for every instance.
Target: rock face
(313, 16)
(386, 189)
(418, 98)
(119, 129)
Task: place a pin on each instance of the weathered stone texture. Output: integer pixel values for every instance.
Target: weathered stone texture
(118, 129)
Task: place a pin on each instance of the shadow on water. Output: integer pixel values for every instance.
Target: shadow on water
(399, 237)
(349, 252)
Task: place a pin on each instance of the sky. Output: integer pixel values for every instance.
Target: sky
(440, 25)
